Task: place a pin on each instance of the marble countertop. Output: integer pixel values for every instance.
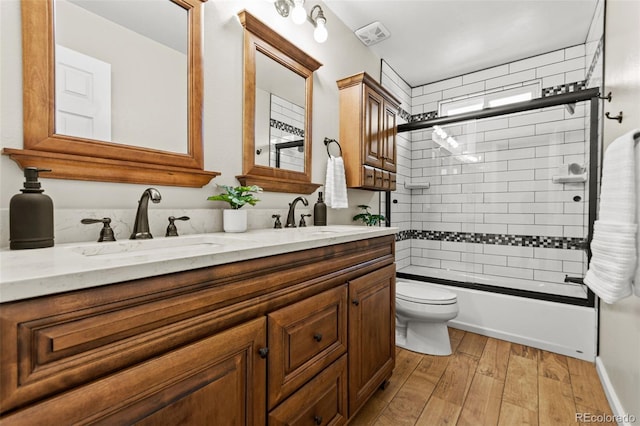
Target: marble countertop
(31, 273)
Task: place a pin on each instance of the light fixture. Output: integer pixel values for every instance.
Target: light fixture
(320, 34)
(283, 7)
(299, 15)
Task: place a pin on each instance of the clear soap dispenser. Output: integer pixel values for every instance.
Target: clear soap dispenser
(31, 215)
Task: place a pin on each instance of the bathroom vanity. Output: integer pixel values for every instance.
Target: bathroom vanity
(273, 326)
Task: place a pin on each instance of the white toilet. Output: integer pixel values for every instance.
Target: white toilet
(422, 312)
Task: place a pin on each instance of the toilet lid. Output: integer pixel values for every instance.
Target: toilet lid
(424, 293)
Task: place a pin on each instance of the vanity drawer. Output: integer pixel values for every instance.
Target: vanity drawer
(392, 181)
(368, 179)
(304, 338)
(322, 401)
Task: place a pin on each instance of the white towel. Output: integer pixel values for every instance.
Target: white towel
(335, 188)
(615, 241)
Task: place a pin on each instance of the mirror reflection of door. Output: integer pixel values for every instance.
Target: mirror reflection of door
(280, 116)
(83, 95)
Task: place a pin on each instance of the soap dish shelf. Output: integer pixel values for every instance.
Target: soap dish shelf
(425, 185)
(570, 178)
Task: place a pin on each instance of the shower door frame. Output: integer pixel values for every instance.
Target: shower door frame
(591, 95)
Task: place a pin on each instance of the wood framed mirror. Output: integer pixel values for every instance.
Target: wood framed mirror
(278, 77)
(75, 149)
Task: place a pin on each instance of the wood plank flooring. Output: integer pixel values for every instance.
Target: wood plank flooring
(486, 382)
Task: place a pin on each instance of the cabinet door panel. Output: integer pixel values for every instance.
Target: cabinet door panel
(218, 380)
(371, 333)
(373, 143)
(389, 137)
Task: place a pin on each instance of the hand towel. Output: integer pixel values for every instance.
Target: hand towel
(335, 187)
(614, 246)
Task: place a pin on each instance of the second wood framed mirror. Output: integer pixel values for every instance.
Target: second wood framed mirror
(277, 114)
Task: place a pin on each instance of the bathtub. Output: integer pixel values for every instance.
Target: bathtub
(556, 327)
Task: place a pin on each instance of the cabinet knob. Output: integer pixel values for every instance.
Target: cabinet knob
(356, 302)
(317, 337)
(317, 420)
(263, 352)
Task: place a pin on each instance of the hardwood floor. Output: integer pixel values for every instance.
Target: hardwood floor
(487, 382)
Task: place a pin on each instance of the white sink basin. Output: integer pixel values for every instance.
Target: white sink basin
(185, 245)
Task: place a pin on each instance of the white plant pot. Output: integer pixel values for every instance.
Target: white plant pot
(234, 220)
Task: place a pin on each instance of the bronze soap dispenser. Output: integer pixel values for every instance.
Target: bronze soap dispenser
(31, 215)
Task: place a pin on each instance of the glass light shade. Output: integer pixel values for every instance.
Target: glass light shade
(298, 14)
(320, 34)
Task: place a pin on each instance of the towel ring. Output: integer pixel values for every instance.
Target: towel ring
(618, 117)
(328, 141)
(608, 97)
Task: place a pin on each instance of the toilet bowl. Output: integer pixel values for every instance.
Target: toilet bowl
(422, 312)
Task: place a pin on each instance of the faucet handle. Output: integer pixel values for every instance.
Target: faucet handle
(172, 230)
(106, 233)
(277, 224)
(302, 223)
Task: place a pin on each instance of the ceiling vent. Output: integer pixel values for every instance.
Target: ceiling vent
(373, 33)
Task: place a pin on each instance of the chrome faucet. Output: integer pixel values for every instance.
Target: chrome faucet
(141, 225)
(291, 217)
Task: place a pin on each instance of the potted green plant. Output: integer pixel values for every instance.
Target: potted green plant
(234, 219)
(367, 217)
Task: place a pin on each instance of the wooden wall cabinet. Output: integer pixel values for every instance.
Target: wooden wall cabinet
(275, 340)
(368, 129)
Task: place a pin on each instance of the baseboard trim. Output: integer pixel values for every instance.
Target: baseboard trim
(622, 417)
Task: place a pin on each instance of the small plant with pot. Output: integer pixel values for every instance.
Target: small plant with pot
(367, 217)
(234, 219)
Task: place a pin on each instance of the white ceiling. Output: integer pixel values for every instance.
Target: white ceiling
(436, 39)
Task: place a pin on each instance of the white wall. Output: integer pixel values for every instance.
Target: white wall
(341, 55)
(619, 358)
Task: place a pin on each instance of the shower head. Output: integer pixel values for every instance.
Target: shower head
(571, 107)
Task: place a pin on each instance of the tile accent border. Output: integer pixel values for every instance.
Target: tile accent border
(424, 116)
(594, 61)
(564, 243)
(286, 127)
(405, 115)
(564, 88)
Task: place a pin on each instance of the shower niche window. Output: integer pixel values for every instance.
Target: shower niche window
(508, 204)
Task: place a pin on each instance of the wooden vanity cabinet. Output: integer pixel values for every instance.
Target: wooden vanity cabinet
(272, 340)
(368, 129)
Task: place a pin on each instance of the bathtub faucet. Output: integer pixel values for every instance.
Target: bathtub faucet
(575, 280)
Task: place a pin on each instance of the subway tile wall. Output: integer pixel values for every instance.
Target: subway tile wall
(500, 212)
(286, 125)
